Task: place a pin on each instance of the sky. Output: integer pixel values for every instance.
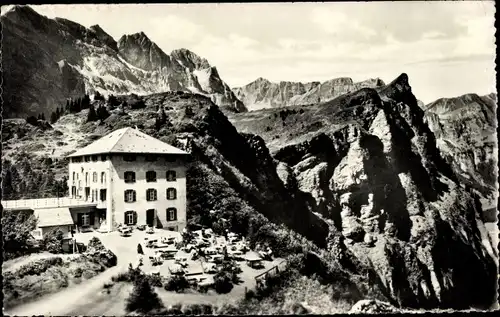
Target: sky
(446, 48)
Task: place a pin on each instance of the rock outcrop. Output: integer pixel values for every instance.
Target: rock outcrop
(47, 61)
(371, 166)
(465, 129)
(262, 93)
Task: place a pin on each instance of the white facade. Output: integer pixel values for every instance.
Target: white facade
(100, 178)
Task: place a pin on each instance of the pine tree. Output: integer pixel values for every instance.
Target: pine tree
(92, 115)
(7, 188)
(53, 117)
(102, 113)
(39, 117)
(143, 298)
(68, 105)
(98, 96)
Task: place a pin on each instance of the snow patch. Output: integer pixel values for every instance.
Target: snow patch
(203, 76)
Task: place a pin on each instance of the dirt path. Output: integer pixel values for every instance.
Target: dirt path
(83, 295)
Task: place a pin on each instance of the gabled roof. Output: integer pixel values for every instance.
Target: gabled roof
(48, 217)
(127, 140)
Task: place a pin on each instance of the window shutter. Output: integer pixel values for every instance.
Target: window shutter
(134, 195)
(135, 217)
(133, 176)
(79, 219)
(125, 196)
(91, 218)
(125, 217)
(155, 194)
(175, 214)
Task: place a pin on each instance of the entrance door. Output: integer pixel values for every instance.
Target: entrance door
(150, 217)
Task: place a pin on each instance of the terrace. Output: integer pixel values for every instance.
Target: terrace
(41, 203)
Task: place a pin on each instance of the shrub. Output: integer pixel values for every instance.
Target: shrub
(143, 298)
(37, 267)
(139, 249)
(78, 272)
(52, 241)
(95, 245)
(16, 233)
(177, 283)
(223, 282)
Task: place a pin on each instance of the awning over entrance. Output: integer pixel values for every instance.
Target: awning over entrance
(48, 217)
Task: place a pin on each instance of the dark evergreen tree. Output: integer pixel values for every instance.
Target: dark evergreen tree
(102, 113)
(32, 120)
(42, 116)
(98, 96)
(113, 101)
(68, 105)
(92, 115)
(85, 102)
(53, 117)
(7, 188)
(143, 298)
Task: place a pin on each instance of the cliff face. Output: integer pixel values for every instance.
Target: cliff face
(465, 129)
(47, 61)
(264, 94)
(372, 168)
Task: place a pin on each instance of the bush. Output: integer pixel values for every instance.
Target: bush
(16, 233)
(143, 298)
(139, 249)
(95, 245)
(52, 241)
(37, 267)
(78, 272)
(177, 283)
(223, 282)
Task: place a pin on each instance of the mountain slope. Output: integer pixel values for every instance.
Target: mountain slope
(465, 128)
(47, 61)
(262, 93)
(359, 176)
(374, 171)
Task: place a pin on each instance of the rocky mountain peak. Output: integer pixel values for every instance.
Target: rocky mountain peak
(141, 52)
(104, 37)
(189, 59)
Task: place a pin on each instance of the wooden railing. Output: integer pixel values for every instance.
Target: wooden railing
(272, 271)
(45, 203)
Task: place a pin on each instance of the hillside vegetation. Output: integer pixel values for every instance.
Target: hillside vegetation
(356, 186)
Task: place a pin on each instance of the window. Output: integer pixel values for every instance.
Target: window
(129, 158)
(93, 195)
(87, 179)
(73, 191)
(103, 194)
(151, 176)
(103, 178)
(129, 177)
(85, 219)
(94, 177)
(130, 196)
(103, 158)
(130, 217)
(94, 158)
(171, 214)
(87, 193)
(151, 158)
(171, 176)
(171, 193)
(74, 174)
(87, 158)
(151, 194)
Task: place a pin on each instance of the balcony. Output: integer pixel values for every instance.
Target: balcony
(40, 203)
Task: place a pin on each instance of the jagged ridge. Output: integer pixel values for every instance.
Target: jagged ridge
(47, 61)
